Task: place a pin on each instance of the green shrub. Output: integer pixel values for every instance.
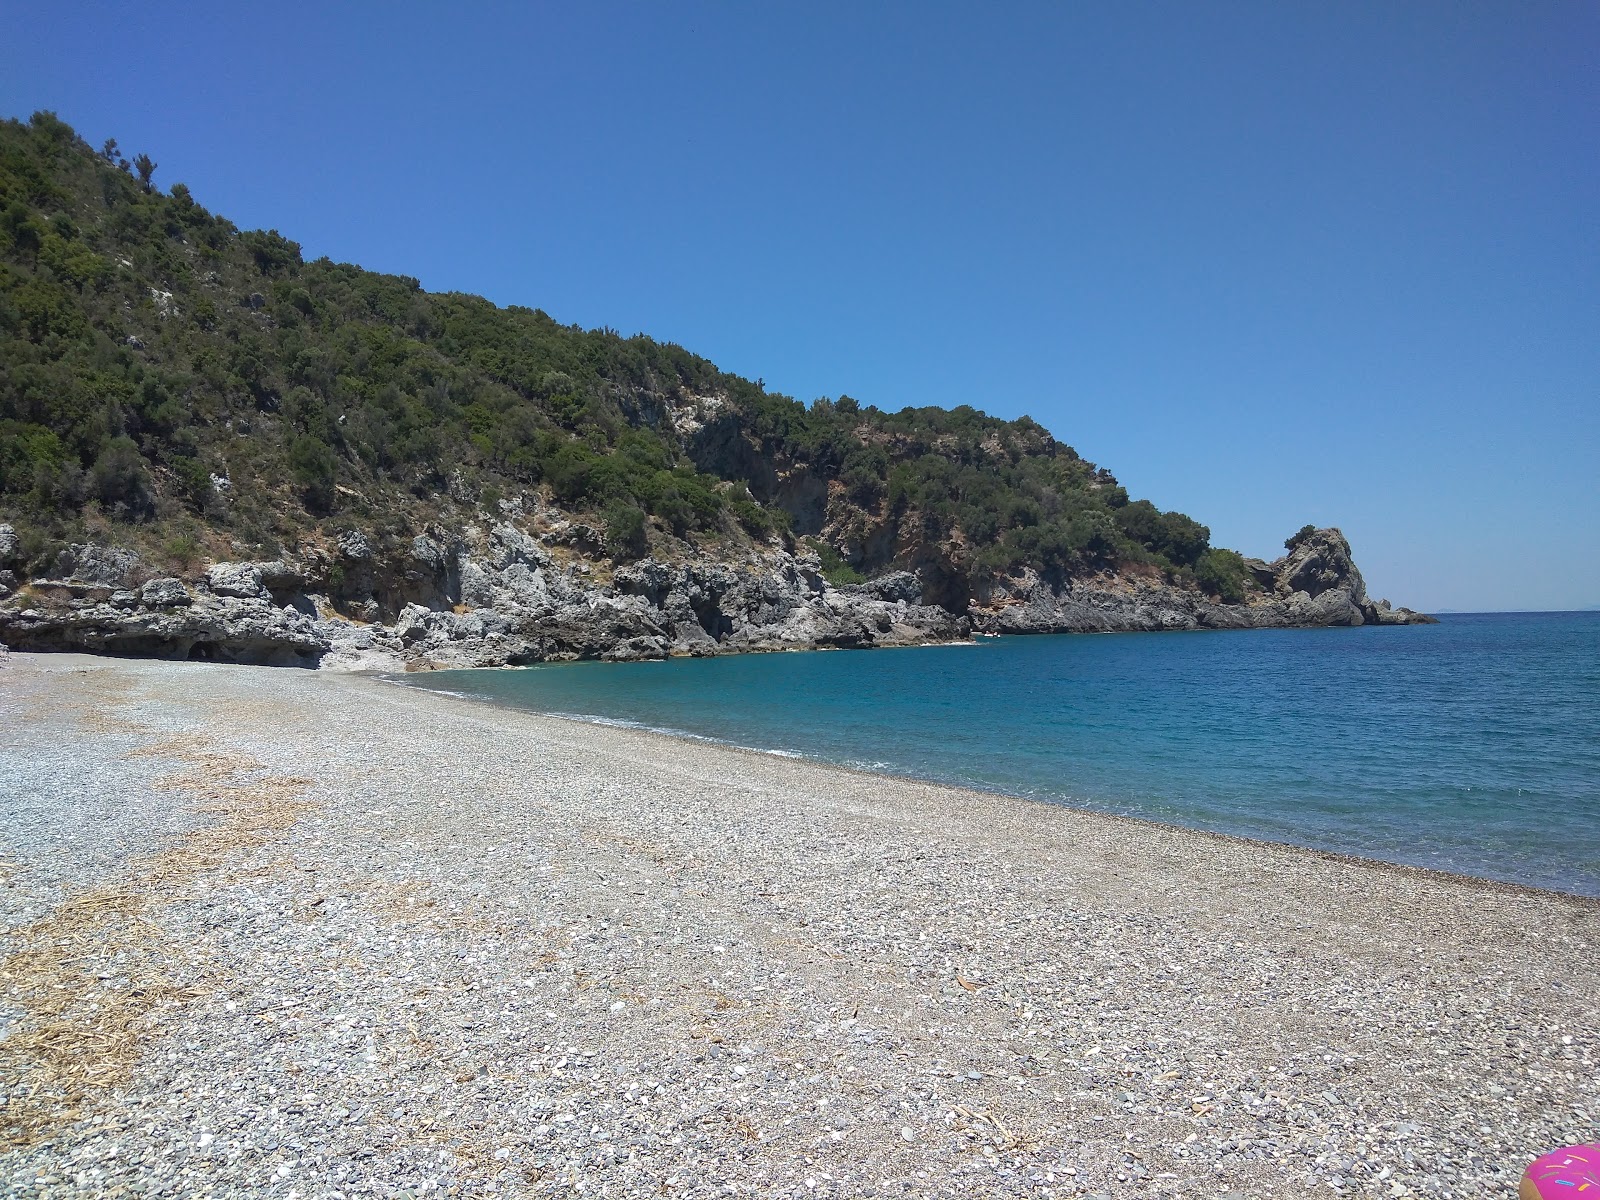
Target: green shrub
(1301, 535)
(755, 520)
(120, 481)
(1177, 538)
(195, 480)
(314, 467)
(834, 568)
(1223, 574)
(182, 550)
(626, 533)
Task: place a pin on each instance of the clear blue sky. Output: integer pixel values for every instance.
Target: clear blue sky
(1271, 263)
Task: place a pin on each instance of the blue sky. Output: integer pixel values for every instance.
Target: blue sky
(1269, 263)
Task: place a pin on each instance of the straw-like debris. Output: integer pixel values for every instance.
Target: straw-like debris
(95, 976)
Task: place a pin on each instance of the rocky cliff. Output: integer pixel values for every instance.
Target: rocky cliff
(524, 590)
(211, 447)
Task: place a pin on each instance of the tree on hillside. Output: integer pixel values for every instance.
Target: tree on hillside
(149, 348)
(314, 466)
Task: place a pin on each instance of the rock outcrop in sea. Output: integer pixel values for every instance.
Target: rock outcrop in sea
(496, 594)
(1315, 584)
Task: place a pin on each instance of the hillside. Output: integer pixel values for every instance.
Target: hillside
(186, 393)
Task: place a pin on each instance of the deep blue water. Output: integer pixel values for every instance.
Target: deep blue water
(1471, 746)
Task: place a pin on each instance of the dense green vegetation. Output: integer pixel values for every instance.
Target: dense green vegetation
(170, 379)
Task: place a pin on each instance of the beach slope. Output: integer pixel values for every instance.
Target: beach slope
(280, 932)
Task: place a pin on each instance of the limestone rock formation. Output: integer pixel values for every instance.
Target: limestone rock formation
(498, 594)
(1315, 584)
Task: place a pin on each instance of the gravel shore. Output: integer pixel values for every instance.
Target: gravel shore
(294, 934)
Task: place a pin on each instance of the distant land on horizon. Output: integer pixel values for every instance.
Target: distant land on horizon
(1490, 612)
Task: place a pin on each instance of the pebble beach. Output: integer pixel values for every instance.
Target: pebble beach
(270, 932)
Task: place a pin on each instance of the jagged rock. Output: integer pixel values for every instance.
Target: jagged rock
(10, 546)
(1316, 584)
(510, 546)
(647, 578)
(1383, 614)
(1318, 563)
(495, 596)
(584, 538)
(1261, 571)
(1324, 587)
(903, 587)
(164, 593)
(427, 553)
(102, 566)
(239, 580)
(429, 575)
(215, 628)
(521, 608)
(354, 545)
(280, 576)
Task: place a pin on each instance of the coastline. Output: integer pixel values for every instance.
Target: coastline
(427, 911)
(1136, 823)
(615, 708)
(500, 594)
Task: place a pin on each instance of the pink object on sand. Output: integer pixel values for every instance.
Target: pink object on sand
(1570, 1172)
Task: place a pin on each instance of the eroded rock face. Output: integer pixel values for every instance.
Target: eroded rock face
(1316, 584)
(518, 605)
(1320, 564)
(239, 580)
(10, 556)
(96, 566)
(155, 624)
(499, 595)
(901, 586)
(164, 593)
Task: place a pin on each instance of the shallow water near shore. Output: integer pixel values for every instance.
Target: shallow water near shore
(1470, 746)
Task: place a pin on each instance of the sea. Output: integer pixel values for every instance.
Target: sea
(1470, 746)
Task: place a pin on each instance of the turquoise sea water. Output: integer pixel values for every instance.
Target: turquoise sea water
(1471, 746)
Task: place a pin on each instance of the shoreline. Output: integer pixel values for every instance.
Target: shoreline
(390, 944)
(689, 737)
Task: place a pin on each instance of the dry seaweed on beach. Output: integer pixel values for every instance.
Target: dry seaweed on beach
(86, 981)
(92, 980)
